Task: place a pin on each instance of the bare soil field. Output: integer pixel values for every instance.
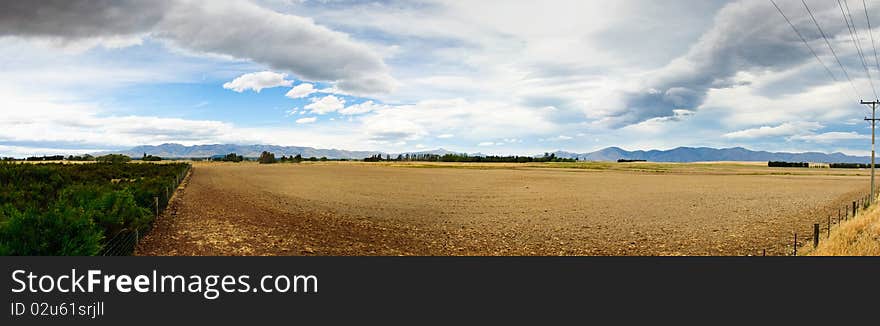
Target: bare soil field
(497, 209)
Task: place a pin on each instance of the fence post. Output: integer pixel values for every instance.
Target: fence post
(854, 209)
(829, 227)
(156, 200)
(795, 243)
(815, 235)
(764, 253)
(136, 238)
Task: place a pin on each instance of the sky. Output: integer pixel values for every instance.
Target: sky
(495, 77)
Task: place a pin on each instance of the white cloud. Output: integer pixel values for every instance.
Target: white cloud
(445, 136)
(257, 81)
(325, 104)
(301, 90)
(830, 137)
(306, 120)
(365, 107)
(486, 143)
(785, 129)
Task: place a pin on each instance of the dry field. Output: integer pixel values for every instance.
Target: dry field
(497, 209)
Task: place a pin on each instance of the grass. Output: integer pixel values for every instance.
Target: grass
(856, 237)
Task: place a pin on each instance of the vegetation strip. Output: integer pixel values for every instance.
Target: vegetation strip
(77, 209)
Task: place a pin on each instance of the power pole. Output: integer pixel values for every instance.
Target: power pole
(873, 121)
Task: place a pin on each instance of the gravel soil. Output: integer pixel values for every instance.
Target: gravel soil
(382, 209)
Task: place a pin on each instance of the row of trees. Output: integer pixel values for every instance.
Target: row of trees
(73, 209)
(548, 157)
(806, 165)
(231, 157)
(780, 164)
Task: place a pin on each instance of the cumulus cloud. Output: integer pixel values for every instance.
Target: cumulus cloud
(301, 90)
(785, 129)
(257, 81)
(306, 120)
(234, 28)
(325, 104)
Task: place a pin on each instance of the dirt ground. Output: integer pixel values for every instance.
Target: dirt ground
(454, 209)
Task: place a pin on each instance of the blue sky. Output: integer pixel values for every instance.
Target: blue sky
(501, 77)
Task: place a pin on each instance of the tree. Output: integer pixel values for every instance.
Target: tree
(267, 158)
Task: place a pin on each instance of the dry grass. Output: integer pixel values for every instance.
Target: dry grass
(856, 237)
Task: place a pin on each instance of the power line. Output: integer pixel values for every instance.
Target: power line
(834, 53)
(871, 32)
(828, 70)
(856, 39)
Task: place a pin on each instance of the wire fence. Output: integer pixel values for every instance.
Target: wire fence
(125, 241)
(812, 234)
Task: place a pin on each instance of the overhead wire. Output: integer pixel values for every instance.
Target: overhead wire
(801, 36)
(834, 53)
(871, 32)
(856, 39)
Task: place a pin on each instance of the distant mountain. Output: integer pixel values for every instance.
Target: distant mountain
(181, 151)
(680, 154)
(705, 154)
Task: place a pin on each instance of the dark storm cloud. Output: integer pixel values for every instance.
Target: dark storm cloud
(235, 28)
(79, 19)
(748, 35)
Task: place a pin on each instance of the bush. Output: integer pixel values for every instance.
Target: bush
(67, 231)
(70, 209)
(113, 158)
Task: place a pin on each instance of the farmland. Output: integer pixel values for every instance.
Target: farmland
(355, 208)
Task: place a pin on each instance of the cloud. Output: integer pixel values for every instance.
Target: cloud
(306, 120)
(301, 90)
(257, 81)
(365, 107)
(785, 129)
(465, 119)
(747, 36)
(326, 104)
(80, 19)
(486, 143)
(445, 136)
(830, 137)
(233, 28)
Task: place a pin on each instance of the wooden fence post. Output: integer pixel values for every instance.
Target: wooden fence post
(156, 200)
(829, 227)
(815, 235)
(854, 209)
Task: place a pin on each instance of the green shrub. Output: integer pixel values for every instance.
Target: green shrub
(61, 230)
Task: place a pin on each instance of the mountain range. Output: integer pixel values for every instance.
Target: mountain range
(680, 154)
(706, 154)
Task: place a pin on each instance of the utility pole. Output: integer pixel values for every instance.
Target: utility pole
(873, 121)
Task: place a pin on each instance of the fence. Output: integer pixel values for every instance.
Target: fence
(125, 242)
(822, 226)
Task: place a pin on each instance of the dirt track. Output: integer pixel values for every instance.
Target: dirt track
(364, 209)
